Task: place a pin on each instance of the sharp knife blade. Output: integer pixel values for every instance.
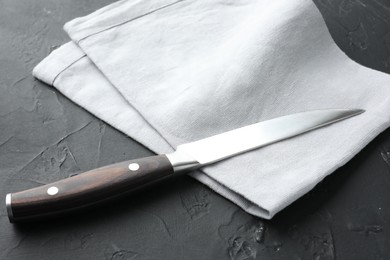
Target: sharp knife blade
(110, 181)
(224, 145)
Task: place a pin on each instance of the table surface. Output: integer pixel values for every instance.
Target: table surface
(45, 137)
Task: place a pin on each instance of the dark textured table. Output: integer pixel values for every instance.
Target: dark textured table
(45, 137)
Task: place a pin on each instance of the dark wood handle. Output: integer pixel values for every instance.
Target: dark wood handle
(87, 188)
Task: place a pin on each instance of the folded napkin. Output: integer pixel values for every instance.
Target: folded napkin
(168, 72)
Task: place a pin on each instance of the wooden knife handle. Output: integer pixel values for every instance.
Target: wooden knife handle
(87, 188)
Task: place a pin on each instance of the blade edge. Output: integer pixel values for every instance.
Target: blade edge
(230, 143)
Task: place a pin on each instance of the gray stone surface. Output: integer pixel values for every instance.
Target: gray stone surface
(45, 137)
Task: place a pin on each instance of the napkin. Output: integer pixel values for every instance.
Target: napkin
(170, 72)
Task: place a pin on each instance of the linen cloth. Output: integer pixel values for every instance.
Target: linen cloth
(168, 72)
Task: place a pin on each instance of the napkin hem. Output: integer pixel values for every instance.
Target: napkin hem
(64, 57)
(100, 21)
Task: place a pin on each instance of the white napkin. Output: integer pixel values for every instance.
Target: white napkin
(170, 72)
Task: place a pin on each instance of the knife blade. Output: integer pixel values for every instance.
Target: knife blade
(110, 181)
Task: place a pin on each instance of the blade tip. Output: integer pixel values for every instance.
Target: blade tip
(351, 112)
(357, 111)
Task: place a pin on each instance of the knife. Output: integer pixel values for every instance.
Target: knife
(110, 181)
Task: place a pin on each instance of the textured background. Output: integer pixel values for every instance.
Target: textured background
(45, 137)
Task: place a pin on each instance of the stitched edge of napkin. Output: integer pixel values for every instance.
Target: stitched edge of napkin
(63, 57)
(125, 11)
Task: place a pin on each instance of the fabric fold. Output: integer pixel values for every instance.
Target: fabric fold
(171, 72)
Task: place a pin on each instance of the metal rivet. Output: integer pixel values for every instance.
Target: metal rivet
(52, 190)
(133, 166)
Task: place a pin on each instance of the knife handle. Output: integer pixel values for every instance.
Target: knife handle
(87, 188)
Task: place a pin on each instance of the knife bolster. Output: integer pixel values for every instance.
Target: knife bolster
(181, 161)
